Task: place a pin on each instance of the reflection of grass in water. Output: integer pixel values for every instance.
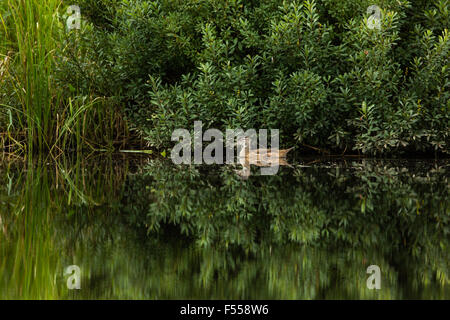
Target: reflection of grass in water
(29, 261)
(31, 247)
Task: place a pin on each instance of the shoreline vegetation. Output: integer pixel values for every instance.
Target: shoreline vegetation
(136, 70)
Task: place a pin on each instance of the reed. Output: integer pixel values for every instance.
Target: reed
(35, 26)
(36, 114)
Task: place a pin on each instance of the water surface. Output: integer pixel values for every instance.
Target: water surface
(147, 229)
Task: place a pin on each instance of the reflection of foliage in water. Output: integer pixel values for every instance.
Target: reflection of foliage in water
(368, 206)
(400, 213)
(308, 233)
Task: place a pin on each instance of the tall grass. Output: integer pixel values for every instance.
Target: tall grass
(36, 113)
(35, 24)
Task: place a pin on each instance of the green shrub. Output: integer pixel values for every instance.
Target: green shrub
(312, 69)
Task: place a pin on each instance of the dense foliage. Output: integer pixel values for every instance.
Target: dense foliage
(313, 69)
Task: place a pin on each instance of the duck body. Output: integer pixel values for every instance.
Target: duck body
(262, 157)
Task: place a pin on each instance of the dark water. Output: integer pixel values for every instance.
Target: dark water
(147, 229)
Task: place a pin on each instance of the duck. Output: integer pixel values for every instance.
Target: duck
(261, 157)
